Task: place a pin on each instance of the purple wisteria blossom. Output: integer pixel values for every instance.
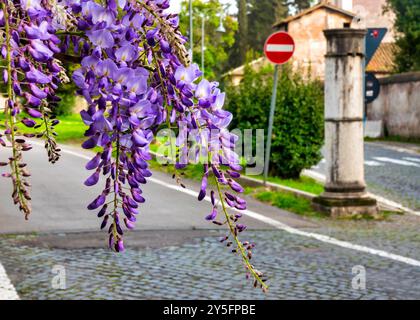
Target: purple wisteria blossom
(136, 77)
(31, 76)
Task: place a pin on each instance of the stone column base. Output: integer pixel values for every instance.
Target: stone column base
(346, 207)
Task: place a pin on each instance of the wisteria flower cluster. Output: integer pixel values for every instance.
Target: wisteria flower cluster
(32, 74)
(136, 77)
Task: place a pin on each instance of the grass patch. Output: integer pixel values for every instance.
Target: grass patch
(286, 201)
(282, 200)
(193, 172)
(71, 128)
(303, 206)
(303, 183)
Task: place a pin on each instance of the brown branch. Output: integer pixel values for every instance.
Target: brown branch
(68, 58)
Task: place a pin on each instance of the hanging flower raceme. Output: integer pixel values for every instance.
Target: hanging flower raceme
(136, 77)
(31, 74)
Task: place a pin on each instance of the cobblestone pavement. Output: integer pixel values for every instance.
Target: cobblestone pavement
(391, 173)
(198, 267)
(397, 234)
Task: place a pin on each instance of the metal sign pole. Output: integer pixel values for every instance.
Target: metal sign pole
(191, 31)
(372, 42)
(278, 49)
(202, 41)
(364, 65)
(270, 124)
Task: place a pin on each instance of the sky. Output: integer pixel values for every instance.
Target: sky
(176, 5)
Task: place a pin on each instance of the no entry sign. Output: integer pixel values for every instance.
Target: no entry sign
(279, 47)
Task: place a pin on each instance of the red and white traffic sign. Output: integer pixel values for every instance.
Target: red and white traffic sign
(279, 47)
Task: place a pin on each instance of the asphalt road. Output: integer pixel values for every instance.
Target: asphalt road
(391, 172)
(60, 200)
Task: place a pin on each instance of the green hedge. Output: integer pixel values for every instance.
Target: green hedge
(298, 132)
(66, 105)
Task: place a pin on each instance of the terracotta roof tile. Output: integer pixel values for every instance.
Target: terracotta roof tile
(383, 60)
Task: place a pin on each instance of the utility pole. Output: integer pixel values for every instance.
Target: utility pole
(203, 42)
(221, 29)
(191, 32)
(243, 30)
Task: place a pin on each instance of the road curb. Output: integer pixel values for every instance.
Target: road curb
(384, 203)
(251, 182)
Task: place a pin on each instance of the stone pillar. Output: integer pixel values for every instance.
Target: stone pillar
(345, 189)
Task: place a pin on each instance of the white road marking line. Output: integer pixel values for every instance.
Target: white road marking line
(396, 161)
(285, 227)
(373, 164)
(280, 48)
(281, 226)
(314, 175)
(368, 163)
(412, 159)
(7, 290)
(394, 204)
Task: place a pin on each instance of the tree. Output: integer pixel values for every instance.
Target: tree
(263, 14)
(300, 5)
(243, 31)
(408, 33)
(256, 19)
(217, 45)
